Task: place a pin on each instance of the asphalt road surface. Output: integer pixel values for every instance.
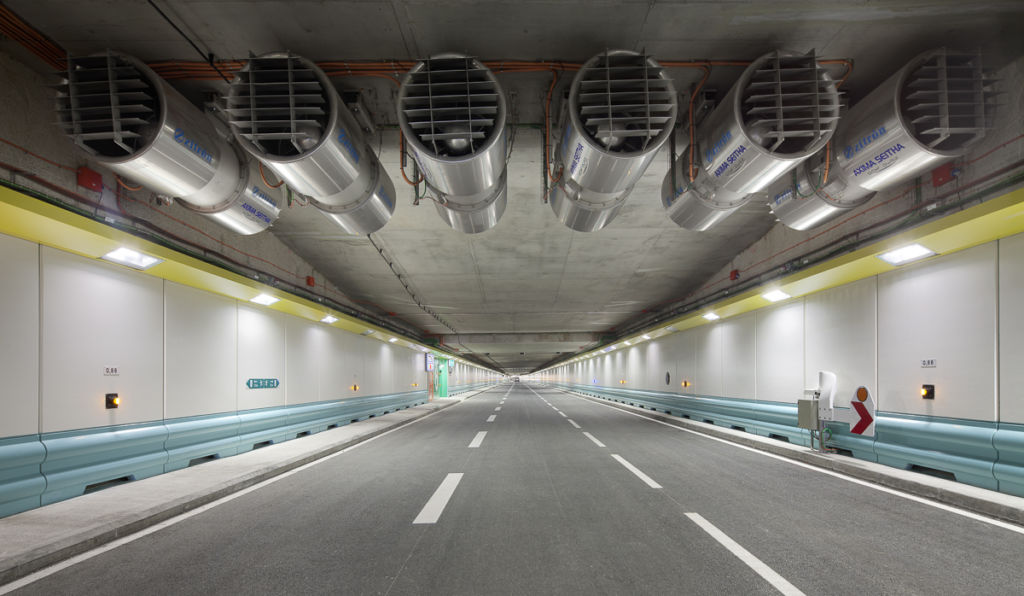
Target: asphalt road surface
(529, 490)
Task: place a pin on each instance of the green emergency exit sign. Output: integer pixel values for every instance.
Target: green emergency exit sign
(262, 383)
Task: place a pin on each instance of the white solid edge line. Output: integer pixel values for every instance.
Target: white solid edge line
(573, 422)
(594, 439)
(491, 418)
(635, 470)
(878, 487)
(56, 568)
(770, 575)
(439, 500)
(478, 439)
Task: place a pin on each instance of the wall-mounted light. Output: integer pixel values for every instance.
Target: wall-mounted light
(685, 383)
(264, 299)
(775, 296)
(131, 258)
(710, 316)
(906, 254)
(354, 388)
(928, 391)
(329, 319)
(622, 381)
(112, 401)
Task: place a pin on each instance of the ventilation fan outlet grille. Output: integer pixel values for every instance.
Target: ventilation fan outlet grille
(452, 105)
(106, 104)
(789, 104)
(624, 102)
(944, 101)
(279, 104)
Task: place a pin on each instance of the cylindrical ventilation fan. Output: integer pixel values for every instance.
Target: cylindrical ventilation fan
(452, 111)
(134, 123)
(812, 193)
(621, 110)
(285, 112)
(928, 112)
(783, 109)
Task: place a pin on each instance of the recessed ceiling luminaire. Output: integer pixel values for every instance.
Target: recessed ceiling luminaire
(264, 299)
(130, 258)
(775, 296)
(906, 254)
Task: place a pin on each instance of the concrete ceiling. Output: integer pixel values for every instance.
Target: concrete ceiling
(530, 289)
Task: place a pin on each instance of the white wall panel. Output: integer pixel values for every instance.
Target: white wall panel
(306, 354)
(780, 352)
(19, 337)
(738, 356)
(343, 366)
(636, 375)
(707, 343)
(942, 309)
(261, 355)
(1011, 329)
(97, 315)
(682, 345)
(381, 371)
(840, 331)
(200, 353)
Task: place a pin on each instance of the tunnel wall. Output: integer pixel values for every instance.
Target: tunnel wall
(959, 310)
(184, 359)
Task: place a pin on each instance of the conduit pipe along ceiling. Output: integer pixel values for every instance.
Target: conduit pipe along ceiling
(131, 121)
(621, 110)
(783, 109)
(929, 112)
(452, 111)
(284, 111)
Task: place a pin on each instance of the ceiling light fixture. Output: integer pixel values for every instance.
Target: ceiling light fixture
(392, 340)
(264, 299)
(775, 296)
(645, 336)
(906, 254)
(329, 319)
(131, 258)
(710, 316)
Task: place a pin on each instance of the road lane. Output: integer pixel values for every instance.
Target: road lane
(823, 533)
(541, 506)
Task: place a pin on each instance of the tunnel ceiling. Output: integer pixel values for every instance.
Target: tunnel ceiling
(530, 289)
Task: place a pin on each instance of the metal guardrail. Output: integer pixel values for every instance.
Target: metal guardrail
(45, 468)
(985, 454)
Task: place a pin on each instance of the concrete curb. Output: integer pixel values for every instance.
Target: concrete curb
(978, 500)
(15, 565)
